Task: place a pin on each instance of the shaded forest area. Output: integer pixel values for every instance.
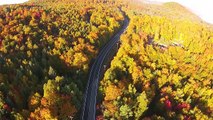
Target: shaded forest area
(46, 48)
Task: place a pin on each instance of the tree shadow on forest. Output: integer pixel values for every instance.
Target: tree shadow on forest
(36, 71)
(152, 105)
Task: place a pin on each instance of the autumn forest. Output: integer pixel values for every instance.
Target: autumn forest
(162, 69)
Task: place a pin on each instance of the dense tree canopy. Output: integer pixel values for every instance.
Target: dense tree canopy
(164, 68)
(46, 48)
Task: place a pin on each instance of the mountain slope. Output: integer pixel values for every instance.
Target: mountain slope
(171, 10)
(162, 70)
(47, 47)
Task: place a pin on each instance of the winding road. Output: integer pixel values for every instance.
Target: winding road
(89, 105)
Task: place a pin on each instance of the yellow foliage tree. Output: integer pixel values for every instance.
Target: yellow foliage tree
(112, 92)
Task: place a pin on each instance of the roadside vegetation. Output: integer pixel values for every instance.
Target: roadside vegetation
(163, 69)
(46, 48)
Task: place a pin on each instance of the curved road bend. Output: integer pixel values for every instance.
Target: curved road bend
(89, 105)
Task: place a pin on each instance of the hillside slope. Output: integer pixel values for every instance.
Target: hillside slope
(171, 10)
(163, 69)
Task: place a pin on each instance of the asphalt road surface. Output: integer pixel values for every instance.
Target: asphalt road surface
(89, 105)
